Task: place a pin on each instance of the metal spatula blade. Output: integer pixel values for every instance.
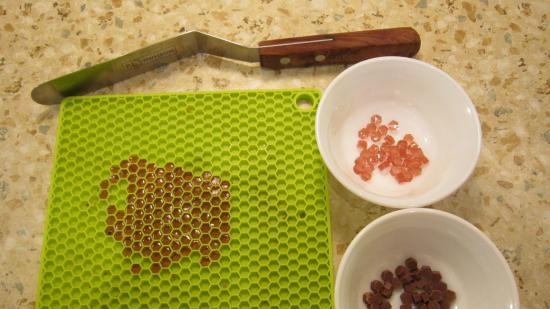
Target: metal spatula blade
(341, 48)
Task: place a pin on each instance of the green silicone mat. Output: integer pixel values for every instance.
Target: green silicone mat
(265, 188)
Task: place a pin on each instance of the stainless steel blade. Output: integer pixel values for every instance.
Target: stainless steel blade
(137, 62)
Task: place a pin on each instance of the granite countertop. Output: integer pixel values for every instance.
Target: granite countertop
(497, 50)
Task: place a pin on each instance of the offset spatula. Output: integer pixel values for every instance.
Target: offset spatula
(339, 48)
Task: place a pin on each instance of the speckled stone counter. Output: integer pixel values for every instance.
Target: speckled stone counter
(497, 50)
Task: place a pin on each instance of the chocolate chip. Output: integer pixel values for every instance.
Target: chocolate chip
(433, 305)
(417, 299)
(415, 274)
(442, 286)
(376, 286)
(407, 279)
(425, 272)
(436, 276)
(425, 297)
(406, 298)
(414, 285)
(386, 293)
(387, 276)
(449, 295)
(444, 304)
(367, 298)
(377, 299)
(409, 287)
(388, 285)
(396, 283)
(436, 295)
(400, 271)
(411, 263)
(385, 305)
(424, 285)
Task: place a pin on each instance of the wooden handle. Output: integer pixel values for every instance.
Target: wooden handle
(338, 48)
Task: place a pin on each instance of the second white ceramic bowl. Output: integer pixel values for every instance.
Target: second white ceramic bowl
(426, 102)
(469, 262)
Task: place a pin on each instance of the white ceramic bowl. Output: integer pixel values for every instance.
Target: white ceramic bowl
(426, 102)
(469, 262)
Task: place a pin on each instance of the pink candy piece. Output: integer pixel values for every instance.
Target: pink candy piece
(373, 149)
(363, 133)
(384, 165)
(357, 169)
(395, 170)
(408, 138)
(366, 176)
(403, 158)
(393, 125)
(382, 130)
(389, 140)
(376, 119)
(371, 128)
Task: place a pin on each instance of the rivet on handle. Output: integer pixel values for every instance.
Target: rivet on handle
(320, 58)
(285, 60)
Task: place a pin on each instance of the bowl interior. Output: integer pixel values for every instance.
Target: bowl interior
(426, 102)
(469, 263)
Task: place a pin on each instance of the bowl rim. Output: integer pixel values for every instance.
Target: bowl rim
(390, 201)
(439, 213)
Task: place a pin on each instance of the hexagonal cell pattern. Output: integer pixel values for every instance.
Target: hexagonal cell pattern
(153, 219)
(156, 199)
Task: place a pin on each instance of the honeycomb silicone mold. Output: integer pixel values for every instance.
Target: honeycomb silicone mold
(169, 212)
(277, 223)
